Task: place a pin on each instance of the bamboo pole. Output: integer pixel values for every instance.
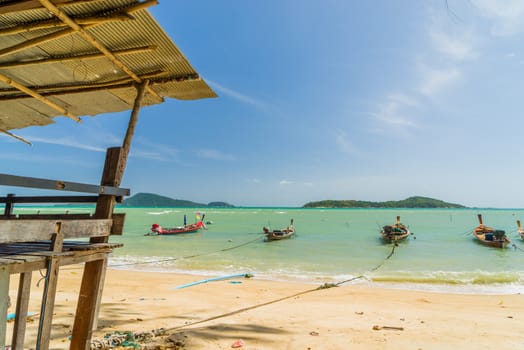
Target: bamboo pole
(17, 64)
(39, 97)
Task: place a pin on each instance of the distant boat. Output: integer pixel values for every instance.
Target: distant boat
(520, 229)
(490, 236)
(275, 235)
(156, 229)
(396, 232)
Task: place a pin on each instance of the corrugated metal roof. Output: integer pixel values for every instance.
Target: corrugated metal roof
(47, 68)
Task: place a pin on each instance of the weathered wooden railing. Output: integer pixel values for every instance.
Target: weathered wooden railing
(30, 242)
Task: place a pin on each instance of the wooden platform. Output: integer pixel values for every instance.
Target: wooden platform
(46, 242)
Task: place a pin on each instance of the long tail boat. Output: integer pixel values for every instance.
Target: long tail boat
(520, 229)
(396, 232)
(275, 235)
(156, 229)
(489, 236)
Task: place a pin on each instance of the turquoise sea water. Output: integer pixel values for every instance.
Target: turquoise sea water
(331, 245)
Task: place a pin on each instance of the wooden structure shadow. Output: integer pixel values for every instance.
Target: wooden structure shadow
(67, 58)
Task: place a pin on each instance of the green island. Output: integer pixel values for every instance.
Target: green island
(411, 202)
(155, 200)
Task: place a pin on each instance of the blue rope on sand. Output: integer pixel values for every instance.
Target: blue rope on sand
(11, 316)
(246, 275)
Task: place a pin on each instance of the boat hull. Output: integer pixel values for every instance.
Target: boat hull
(486, 238)
(394, 237)
(278, 235)
(191, 228)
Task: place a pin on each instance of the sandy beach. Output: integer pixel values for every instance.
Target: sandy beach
(262, 314)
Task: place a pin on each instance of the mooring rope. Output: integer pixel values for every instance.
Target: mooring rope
(97, 344)
(180, 257)
(191, 256)
(517, 247)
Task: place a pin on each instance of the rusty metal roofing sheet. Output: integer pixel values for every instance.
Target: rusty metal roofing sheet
(41, 54)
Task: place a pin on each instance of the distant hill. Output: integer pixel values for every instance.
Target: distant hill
(411, 202)
(155, 200)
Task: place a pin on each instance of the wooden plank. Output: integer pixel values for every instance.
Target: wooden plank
(49, 199)
(4, 297)
(54, 217)
(22, 306)
(34, 230)
(39, 263)
(87, 308)
(33, 182)
(9, 206)
(118, 223)
(20, 231)
(49, 294)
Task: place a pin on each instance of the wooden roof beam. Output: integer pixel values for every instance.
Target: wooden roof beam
(57, 24)
(39, 97)
(19, 138)
(64, 32)
(35, 42)
(119, 15)
(84, 56)
(99, 46)
(24, 5)
(155, 78)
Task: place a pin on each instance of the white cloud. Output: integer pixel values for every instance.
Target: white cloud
(394, 112)
(236, 95)
(146, 149)
(402, 99)
(507, 15)
(344, 144)
(285, 182)
(289, 183)
(213, 154)
(65, 141)
(434, 81)
(453, 47)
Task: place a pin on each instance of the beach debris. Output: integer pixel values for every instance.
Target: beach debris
(359, 312)
(378, 328)
(246, 275)
(127, 339)
(238, 344)
(313, 333)
(328, 285)
(12, 316)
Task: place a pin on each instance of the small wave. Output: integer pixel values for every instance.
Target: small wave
(161, 212)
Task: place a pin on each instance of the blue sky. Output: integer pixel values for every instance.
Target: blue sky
(367, 100)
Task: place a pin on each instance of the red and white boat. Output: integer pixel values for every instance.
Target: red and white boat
(156, 229)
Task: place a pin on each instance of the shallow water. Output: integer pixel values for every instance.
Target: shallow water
(330, 245)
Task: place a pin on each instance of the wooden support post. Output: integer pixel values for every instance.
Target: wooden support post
(48, 299)
(22, 306)
(126, 145)
(87, 309)
(9, 205)
(91, 289)
(4, 297)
